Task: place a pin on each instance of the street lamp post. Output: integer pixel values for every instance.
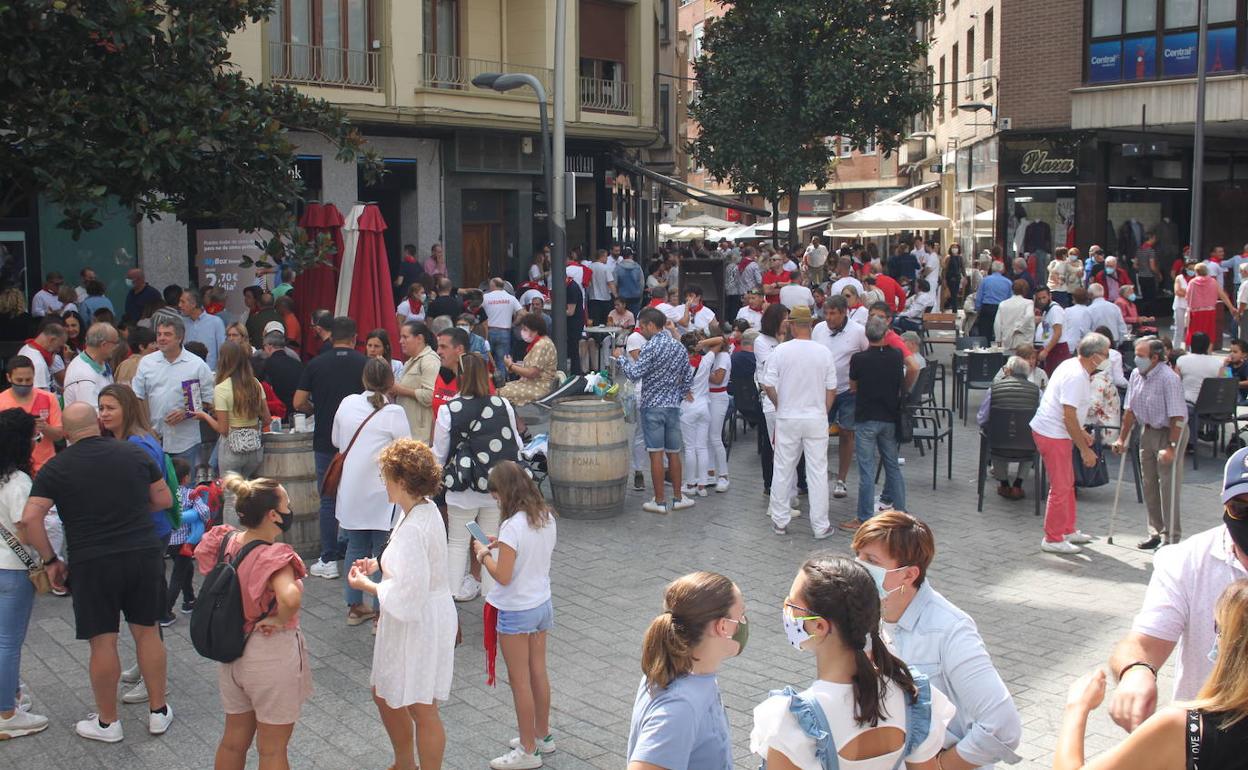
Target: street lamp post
(499, 81)
(1198, 143)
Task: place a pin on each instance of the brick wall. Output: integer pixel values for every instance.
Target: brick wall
(1041, 59)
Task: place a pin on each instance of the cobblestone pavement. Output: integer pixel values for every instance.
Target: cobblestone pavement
(1046, 619)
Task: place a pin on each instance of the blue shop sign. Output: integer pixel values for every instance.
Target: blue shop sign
(1105, 62)
(1140, 55)
(1178, 54)
(1220, 50)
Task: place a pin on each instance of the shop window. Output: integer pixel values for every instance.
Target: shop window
(940, 93)
(953, 104)
(1129, 41)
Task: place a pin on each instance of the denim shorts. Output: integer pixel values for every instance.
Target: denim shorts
(540, 618)
(842, 412)
(660, 425)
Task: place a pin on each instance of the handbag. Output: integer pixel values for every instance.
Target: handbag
(34, 570)
(243, 440)
(333, 474)
(1097, 475)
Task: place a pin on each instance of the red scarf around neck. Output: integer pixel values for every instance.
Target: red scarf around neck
(529, 347)
(47, 354)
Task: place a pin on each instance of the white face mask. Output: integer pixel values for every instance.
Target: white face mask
(527, 335)
(795, 627)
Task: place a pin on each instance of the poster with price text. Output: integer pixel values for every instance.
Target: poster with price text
(219, 254)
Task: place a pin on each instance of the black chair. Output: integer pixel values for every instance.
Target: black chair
(1215, 404)
(981, 369)
(932, 425)
(1008, 436)
(959, 362)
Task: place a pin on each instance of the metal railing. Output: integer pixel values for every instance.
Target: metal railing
(321, 66)
(456, 72)
(606, 95)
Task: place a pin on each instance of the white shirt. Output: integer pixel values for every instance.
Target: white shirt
(1188, 578)
(722, 361)
(529, 295)
(1195, 369)
(930, 264)
(1076, 326)
(576, 273)
(920, 303)
(840, 283)
(45, 303)
(500, 308)
(794, 294)
(801, 371)
(1242, 297)
(1180, 303)
(530, 578)
(1054, 316)
(635, 341)
(700, 320)
(14, 491)
(1015, 323)
(1215, 270)
(1070, 385)
(851, 339)
(601, 274)
(1107, 314)
(701, 385)
(755, 317)
(673, 312)
(160, 383)
(43, 378)
(405, 310)
(361, 484)
(860, 315)
(790, 266)
(83, 382)
(816, 256)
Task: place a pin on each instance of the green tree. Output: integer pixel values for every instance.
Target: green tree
(138, 102)
(777, 79)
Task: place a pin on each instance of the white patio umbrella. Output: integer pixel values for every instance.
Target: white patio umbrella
(346, 271)
(704, 222)
(889, 217)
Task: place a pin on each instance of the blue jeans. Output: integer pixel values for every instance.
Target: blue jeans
(874, 440)
(17, 598)
(332, 548)
(500, 345)
(361, 543)
(660, 425)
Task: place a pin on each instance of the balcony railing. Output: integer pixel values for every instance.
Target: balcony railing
(600, 95)
(456, 72)
(321, 66)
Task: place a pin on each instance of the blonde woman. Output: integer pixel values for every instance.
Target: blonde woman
(239, 410)
(414, 654)
(237, 333)
(1209, 732)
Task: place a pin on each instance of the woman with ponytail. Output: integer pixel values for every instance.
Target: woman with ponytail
(865, 706)
(679, 721)
(263, 691)
(365, 514)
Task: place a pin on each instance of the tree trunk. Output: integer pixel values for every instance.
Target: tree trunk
(794, 238)
(775, 222)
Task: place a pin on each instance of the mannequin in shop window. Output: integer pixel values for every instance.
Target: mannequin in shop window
(1020, 228)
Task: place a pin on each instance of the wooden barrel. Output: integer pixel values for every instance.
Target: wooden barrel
(587, 458)
(288, 458)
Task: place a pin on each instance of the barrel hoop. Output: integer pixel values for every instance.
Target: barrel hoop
(604, 483)
(553, 447)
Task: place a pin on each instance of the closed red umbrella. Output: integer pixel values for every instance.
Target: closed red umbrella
(371, 296)
(316, 287)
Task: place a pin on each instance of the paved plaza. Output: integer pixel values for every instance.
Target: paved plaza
(1046, 619)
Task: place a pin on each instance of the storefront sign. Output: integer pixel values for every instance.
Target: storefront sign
(1041, 158)
(1141, 58)
(1178, 54)
(219, 259)
(1040, 162)
(1105, 62)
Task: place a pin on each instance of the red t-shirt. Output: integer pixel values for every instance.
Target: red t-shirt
(894, 340)
(781, 277)
(893, 293)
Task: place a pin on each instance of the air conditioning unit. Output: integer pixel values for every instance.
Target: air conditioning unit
(986, 71)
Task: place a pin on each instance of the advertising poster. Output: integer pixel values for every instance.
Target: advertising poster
(219, 255)
(1105, 62)
(1178, 53)
(1140, 54)
(1220, 50)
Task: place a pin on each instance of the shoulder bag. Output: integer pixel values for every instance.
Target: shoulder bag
(244, 440)
(333, 474)
(34, 569)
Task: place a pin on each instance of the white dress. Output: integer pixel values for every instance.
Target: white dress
(414, 653)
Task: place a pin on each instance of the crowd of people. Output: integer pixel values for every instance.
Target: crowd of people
(130, 454)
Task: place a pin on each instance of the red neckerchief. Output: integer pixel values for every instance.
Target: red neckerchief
(695, 360)
(489, 620)
(409, 259)
(213, 308)
(743, 264)
(656, 302)
(695, 309)
(47, 354)
(415, 306)
(529, 347)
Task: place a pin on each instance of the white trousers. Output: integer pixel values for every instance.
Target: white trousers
(718, 407)
(693, 420)
(793, 438)
(457, 542)
(641, 458)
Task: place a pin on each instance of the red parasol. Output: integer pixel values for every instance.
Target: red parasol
(316, 287)
(370, 297)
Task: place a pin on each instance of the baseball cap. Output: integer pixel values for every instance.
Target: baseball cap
(274, 326)
(1235, 475)
(800, 315)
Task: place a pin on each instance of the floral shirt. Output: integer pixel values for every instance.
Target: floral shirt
(663, 367)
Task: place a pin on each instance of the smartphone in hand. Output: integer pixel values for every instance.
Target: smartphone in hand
(475, 530)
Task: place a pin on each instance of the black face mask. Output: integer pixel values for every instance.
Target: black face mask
(288, 520)
(1238, 529)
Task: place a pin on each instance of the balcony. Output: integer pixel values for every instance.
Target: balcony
(456, 72)
(614, 96)
(317, 65)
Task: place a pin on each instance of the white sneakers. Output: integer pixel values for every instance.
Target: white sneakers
(23, 723)
(517, 759)
(684, 502)
(839, 489)
(158, 724)
(137, 694)
(1061, 546)
(321, 569)
(824, 535)
(90, 729)
(131, 675)
(544, 745)
(653, 506)
(469, 589)
(1079, 538)
(721, 485)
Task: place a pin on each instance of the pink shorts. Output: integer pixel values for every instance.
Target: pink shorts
(272, 678)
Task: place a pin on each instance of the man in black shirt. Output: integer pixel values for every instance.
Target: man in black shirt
(877, 408)
(446, 303)
(576, 325)
(410, 272)
(322, 327)
(105, 491)
(280, 369)
(326, 381)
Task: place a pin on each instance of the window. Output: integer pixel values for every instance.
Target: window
(441, 27)
(665, 113)
(329, 41)
(695, 50)
(847, 147)
(953, 103)
(665, 24)
(1136, 40)
(940, 92)
(868, 148)
(1106, 17)
(1183, 13)
(970, 52)
(989, 33)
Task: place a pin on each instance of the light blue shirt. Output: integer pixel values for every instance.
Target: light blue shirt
(209, 330)
(681, 727)
(159, 383)
(994, 290)
(1107, 314)
(942, 641)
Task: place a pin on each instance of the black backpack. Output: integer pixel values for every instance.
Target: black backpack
(217, 620)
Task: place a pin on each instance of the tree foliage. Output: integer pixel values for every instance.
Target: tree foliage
(138, 102)
(777, 79)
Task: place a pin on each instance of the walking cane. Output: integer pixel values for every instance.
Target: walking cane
(1122, 466)
(1174, 485)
